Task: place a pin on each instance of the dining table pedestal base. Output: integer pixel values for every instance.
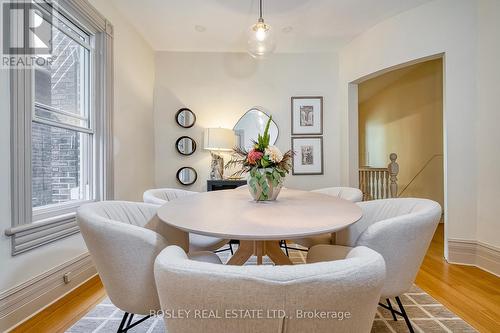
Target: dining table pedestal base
(259, 249)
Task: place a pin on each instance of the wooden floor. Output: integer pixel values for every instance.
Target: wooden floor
(64, 313)
(469, 292)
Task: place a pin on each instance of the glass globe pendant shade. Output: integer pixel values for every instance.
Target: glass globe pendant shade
(261, 41)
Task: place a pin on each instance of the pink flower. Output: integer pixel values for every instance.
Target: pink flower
(254, 156)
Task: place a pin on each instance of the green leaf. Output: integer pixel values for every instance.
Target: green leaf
(252, 182)
(266, 132)
(253, 171)
(254, 189)
(265, 192)
(264, 139)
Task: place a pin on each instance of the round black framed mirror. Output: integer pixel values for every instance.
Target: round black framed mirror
(187, 176)
(185, 145)
(185, 118)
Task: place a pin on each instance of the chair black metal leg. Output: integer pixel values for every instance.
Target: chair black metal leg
(286, 248)
(122, 323)
(129, 321)
(229, 248)
(391, 309)
(405, 316)
(127, 324)
(138, 322)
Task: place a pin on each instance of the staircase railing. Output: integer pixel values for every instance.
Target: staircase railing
(426, 164)
(380, 183)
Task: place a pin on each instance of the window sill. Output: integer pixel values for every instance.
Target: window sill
(29, 236)
(50, 212)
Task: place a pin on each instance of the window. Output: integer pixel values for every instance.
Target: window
(62, 114)
(61, 131)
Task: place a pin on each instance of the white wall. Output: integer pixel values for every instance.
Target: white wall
(488, 142)
(133, 105)
(449, 27)
(134, 151)
(221, 87)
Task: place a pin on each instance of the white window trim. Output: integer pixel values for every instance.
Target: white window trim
(29, 231)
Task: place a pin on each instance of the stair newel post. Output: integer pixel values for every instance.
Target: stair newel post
(393, 168)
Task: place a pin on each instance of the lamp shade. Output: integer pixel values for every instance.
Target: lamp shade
(219, 139)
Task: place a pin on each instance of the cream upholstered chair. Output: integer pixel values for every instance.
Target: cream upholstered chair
(160, 196)
(347, 193)
(349, 286)
(124, 239)
(400, 230)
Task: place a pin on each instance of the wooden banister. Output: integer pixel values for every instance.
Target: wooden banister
(380, 183)
(426, 164)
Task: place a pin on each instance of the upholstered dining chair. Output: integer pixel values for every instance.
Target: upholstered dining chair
(159, 196)
(197, 242)
(278, 298)
(400, 230)
(124, 239)
(347, 193)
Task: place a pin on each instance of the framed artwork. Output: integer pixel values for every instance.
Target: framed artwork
(307, 115)
(308, 158)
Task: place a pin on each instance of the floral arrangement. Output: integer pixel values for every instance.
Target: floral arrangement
(265, 164)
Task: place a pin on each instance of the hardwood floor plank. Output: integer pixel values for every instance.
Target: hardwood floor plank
(470, 292)
(59, 316)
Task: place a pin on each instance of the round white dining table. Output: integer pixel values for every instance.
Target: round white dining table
(259, 226)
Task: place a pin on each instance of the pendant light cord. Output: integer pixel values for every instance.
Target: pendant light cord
(260, 9)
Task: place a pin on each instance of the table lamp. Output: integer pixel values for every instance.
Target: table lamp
(216, 141)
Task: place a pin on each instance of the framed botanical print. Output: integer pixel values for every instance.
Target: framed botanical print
(307, 115)
(308, 158)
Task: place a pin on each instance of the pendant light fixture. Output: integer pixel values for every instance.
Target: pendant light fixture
(261, 40)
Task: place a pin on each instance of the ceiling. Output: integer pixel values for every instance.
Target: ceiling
(369, 88)
(221, 25)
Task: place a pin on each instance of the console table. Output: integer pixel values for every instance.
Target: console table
(224, 184)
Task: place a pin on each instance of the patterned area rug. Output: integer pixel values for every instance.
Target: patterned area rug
(426, 314)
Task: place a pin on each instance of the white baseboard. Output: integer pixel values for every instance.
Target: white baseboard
(474, 253)
(25, 300)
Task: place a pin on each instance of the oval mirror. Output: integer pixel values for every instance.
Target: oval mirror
(187, 176)
(250, 125)
(185, 118)
(185, 145)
